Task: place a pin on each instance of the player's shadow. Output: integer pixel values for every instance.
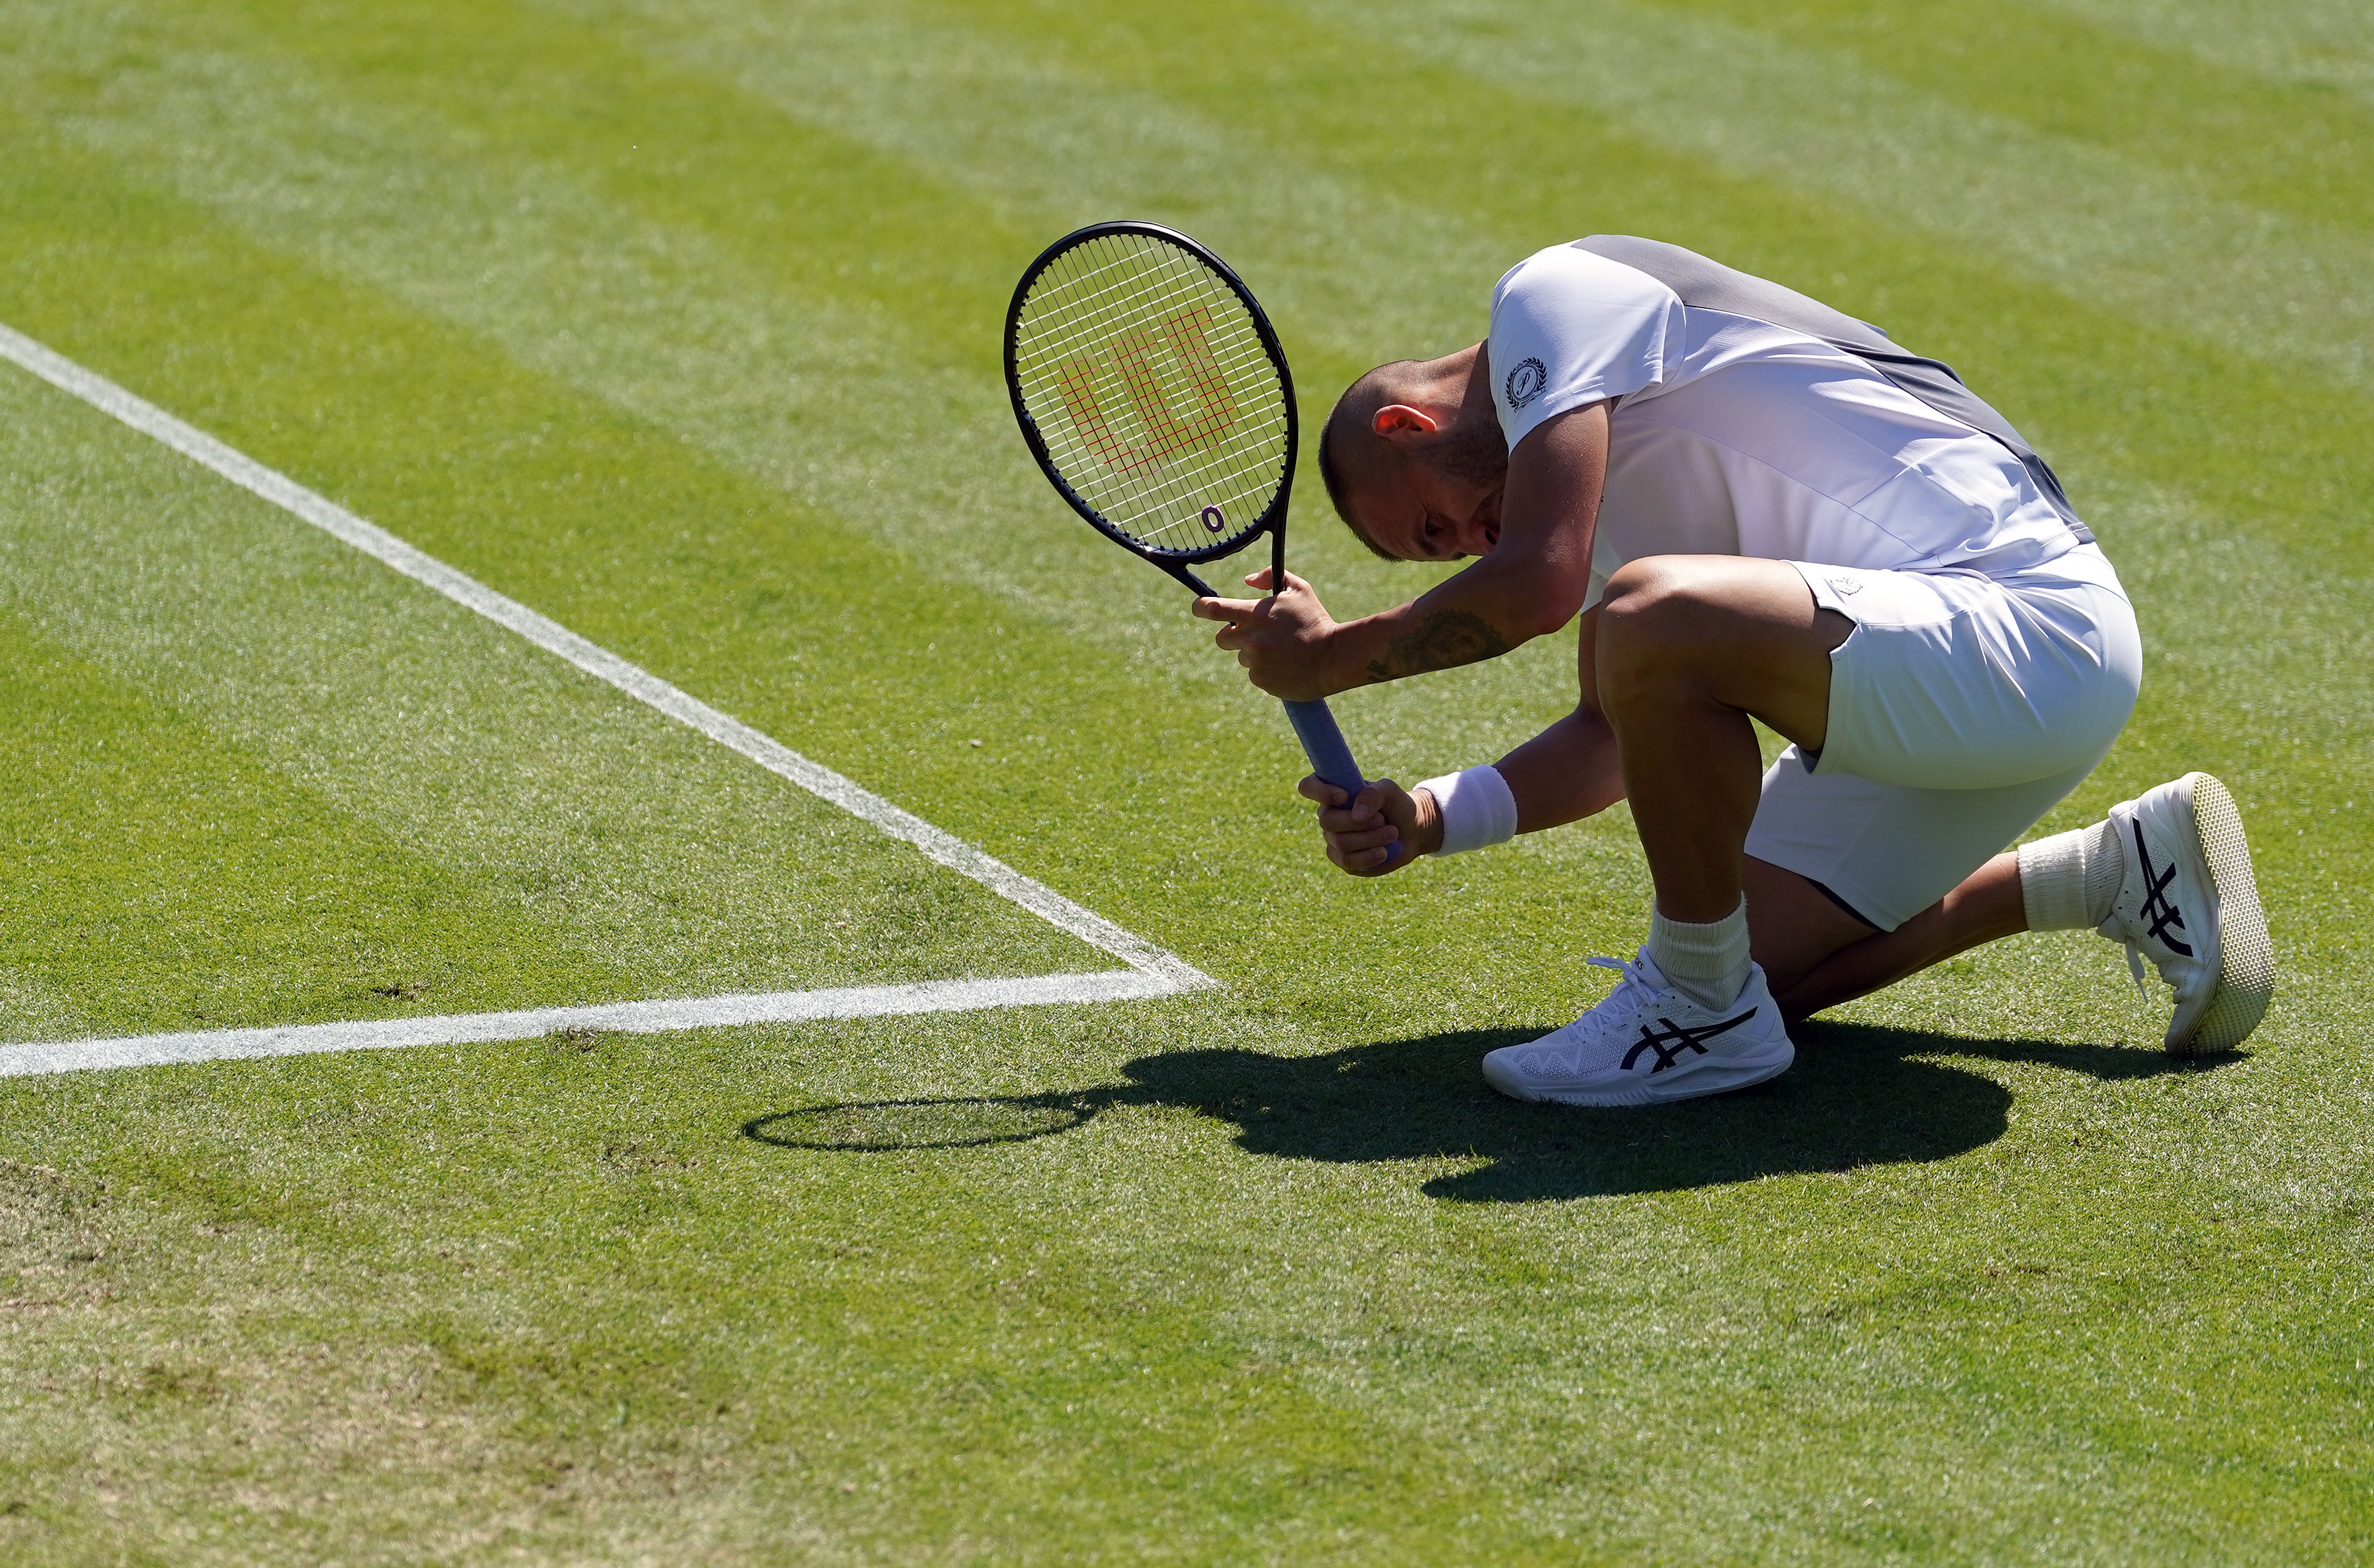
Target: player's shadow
(1857, 1096)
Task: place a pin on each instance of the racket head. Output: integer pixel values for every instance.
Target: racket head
(1152, 391)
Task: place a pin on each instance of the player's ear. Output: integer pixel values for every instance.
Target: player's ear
(1399, 421)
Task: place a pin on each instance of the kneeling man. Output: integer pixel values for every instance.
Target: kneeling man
(1760, 508)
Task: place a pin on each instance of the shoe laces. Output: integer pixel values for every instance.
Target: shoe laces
(1595, 1032)
(1635, 980)
(2136, 969)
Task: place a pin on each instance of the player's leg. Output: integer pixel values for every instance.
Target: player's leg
(2166, 874)
(1688, 648)
(1816, 954)
(1684, 650)
(1921, 871)
(1955, 714)
(1960, 693)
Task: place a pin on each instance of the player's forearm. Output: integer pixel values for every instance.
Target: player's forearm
(1491, 608)
(1569, 771)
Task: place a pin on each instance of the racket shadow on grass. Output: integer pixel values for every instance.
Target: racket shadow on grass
(1860, 1096)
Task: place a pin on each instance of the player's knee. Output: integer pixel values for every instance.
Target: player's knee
(1654, 614)
(1646, 597)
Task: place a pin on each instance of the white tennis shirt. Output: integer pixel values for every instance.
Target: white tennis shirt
(1731, 435)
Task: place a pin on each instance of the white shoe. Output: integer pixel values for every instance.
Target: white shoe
(2190, 905)
(1647, 1044)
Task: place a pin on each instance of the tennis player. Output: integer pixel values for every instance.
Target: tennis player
(1760, 508)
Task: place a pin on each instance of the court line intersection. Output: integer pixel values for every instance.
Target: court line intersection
(1152, 972)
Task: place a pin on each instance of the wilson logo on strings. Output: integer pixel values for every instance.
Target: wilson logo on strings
(1149, 395)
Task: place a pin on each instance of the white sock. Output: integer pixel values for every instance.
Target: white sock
(1707, 964)
(2068, 881)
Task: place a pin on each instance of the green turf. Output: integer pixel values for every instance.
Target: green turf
(678, 323)
(293, 785)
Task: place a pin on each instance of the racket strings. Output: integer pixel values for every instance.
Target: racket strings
(1105, 314)
(1153, 393)
(1110, 314)
(1082, 319)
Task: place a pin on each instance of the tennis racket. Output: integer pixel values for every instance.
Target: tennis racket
(1153, 393)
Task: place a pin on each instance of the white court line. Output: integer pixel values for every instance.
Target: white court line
(1157, 973)
(621, 1017)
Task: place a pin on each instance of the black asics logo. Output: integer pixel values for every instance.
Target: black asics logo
(1671, 1041)
(2156, 908)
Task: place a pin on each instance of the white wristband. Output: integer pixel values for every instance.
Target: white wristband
(1477, 810)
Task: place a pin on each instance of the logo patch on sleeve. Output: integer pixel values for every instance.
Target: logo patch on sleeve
(1526, 381)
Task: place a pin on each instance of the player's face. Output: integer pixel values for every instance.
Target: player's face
(1426, 515)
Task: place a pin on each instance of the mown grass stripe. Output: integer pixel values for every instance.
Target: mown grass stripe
(1366, 259)
(769, 753)
(1052, 131)
(2106, 227)
(537, 259)
(2103, 228)
(2322, 43)
(2287, 148)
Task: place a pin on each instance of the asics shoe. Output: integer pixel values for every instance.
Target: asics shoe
(1647, 1044)
(2189, 903)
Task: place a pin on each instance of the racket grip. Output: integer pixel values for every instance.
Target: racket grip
(1331, 757)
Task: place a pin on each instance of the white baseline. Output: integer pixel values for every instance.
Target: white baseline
(1152, 972)
(625, 1017)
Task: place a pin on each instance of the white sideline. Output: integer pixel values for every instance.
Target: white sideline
(1157, 973)
(620, 1017)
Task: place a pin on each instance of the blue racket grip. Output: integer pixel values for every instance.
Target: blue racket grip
(1331, 757)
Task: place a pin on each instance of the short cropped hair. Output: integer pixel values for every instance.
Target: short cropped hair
(1331, 463)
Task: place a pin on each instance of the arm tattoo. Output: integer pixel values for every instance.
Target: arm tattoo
(1443, 639)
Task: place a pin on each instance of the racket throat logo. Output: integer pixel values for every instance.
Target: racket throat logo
(1162, 385)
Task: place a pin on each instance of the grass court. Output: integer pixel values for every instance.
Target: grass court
(677, 323)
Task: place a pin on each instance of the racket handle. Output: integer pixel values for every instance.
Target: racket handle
(1331, 757)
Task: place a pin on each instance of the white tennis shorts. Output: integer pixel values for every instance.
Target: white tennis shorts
(1963, 708)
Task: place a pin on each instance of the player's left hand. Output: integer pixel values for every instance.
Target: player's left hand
(1361, 831)
(1281, 640)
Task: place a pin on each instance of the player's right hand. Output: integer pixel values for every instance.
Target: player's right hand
(1361, 830)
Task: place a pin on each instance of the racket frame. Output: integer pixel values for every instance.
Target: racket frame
(1176, 562)
(1314, 724)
